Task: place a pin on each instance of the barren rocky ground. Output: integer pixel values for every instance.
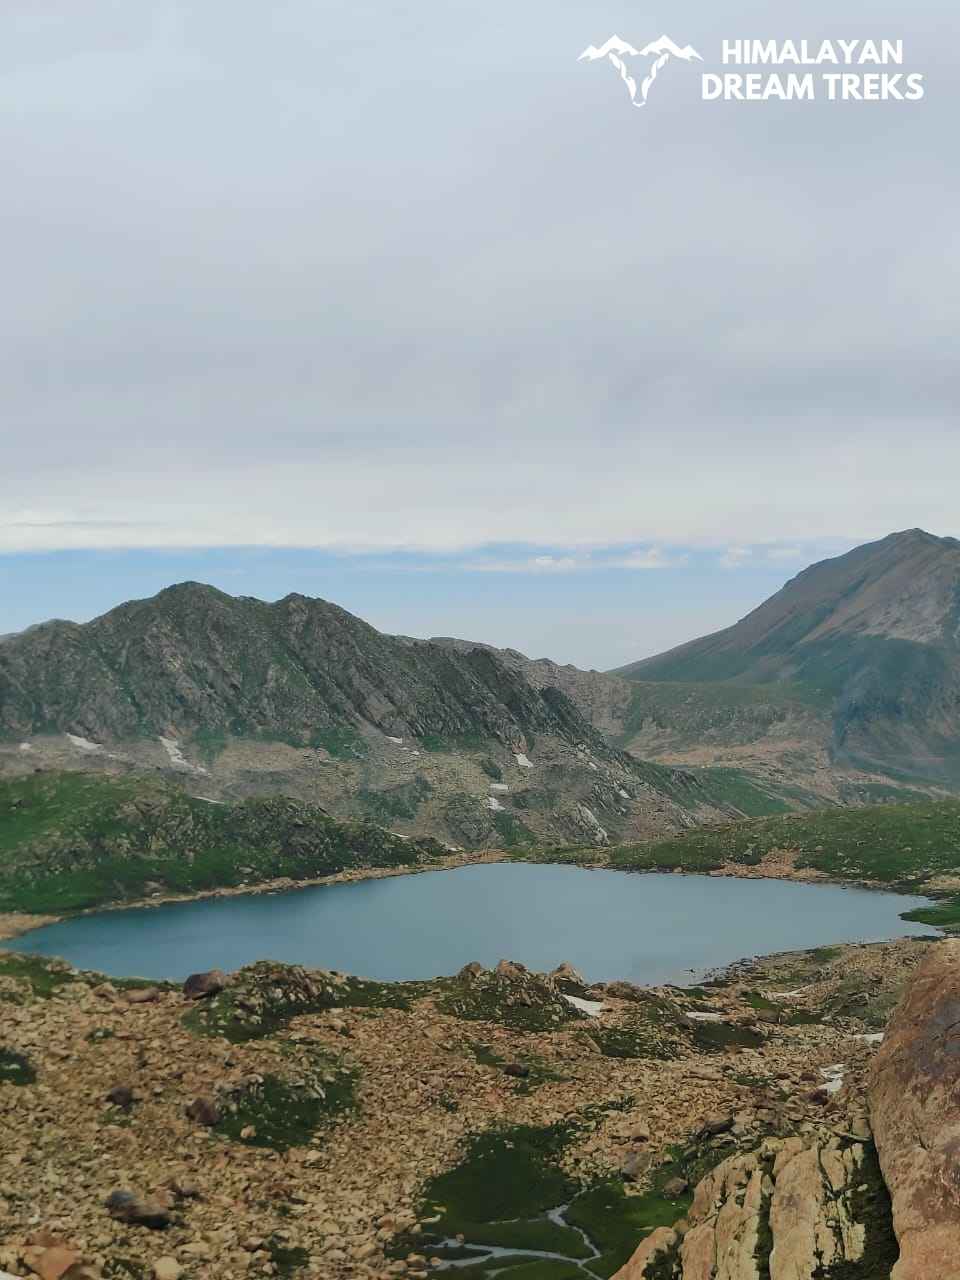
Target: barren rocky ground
(304, 1124)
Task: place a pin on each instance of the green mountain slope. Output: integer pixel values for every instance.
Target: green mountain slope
(73, 840)
(239, 698)
(871, 638)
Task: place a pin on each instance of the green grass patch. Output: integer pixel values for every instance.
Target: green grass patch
(512, 832)
(900, 845)
(69, 842)
(285, 1114)
(287, 1259)
(16, 1068)
(343, 742)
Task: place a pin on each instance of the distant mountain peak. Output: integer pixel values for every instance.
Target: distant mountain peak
(877, 627)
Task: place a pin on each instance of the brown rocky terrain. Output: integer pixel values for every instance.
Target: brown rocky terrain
(915, 1103)
(304, 1124)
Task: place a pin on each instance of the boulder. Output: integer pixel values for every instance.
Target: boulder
(914, 1095)
(204, 1110)
(167, 1268)
(517, 1069)
(121, 1095)
(127, 1206)
(565, 972)
(142, 995)
(53, 1263)
(200, 985)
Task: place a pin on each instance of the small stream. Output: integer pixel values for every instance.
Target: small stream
(490, 1252)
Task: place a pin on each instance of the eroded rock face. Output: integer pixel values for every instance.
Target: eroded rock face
(914, 1096)
(791, 1210)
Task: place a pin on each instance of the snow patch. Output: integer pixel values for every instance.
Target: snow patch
(705, 1017)
(783, 995)
(84, 744)
(624, 795)
(25, 747)
(172, 747)
(499, 786)
(522, 760)
(833, 1077)
(592, 1008)
(398, 741)
(872, 1037)
(494, 803)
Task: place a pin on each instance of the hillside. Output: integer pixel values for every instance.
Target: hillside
(71, 840)
(237, 697)
(914, 848)
(857, 655)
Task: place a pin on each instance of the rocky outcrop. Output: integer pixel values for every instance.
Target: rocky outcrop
(791, 1210)
(194, 659)
(915, 1107)
(512, 995)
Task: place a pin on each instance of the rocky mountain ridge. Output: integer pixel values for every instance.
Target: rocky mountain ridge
(235, 697)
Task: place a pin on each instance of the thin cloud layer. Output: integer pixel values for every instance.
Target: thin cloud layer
(364, 279)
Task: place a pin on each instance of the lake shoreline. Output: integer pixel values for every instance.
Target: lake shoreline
(781, 867)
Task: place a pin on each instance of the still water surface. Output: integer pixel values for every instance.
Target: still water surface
(609, 924)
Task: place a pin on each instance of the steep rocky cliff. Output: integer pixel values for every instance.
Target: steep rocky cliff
(915, 1105)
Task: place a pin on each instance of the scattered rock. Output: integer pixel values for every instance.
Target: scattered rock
(199, 985)
(127, 1206)
(53, 1263)
(204, 1110)
(142, 995)
(121, 1095)
(715, 1123)
(516, 1069)
(636, 1164)
(167, 1268)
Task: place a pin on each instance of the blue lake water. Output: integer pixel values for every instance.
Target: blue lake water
(609, 924)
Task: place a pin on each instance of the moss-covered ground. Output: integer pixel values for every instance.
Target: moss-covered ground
(15, 1068)
(508, 1179)
(72, 841)
(278, 1113)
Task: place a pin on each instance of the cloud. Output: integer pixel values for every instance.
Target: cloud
(388, 308)
(735, 557)
(651, 558)
(532, 564)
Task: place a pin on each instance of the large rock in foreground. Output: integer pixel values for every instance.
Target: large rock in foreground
(791, 1210)
(915, 1110)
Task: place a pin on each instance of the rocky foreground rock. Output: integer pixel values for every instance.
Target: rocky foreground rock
(915, 1104)
(801, 1208)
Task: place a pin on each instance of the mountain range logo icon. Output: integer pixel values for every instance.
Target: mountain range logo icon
(616, 50)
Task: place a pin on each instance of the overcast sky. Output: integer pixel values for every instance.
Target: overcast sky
(377, 278)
